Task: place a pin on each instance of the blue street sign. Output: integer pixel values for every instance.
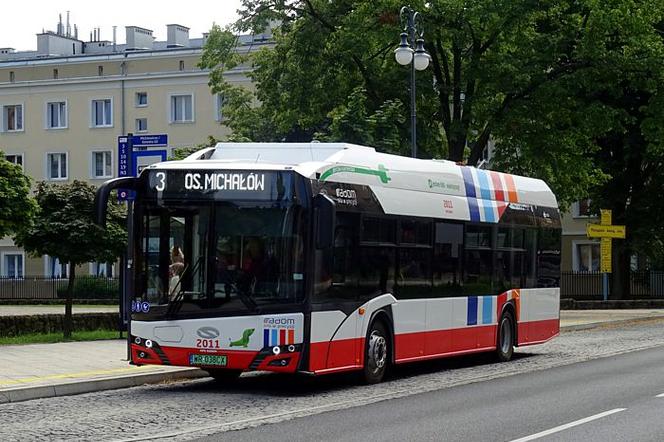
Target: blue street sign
(143, 141)
(128, 159)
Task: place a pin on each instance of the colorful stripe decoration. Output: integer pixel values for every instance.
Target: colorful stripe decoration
(481, 310)
(488, 193)
(278, 336)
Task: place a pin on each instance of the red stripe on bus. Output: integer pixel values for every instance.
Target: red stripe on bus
(282, 336)
(537, 332)
(498, 186)
(291, 336)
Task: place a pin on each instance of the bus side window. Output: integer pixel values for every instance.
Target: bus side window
(447, 254)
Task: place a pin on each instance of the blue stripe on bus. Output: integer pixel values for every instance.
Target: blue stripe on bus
(485, 187)
(489, 216)
(274, 340)
(487, 309)
(468, 181)
(472, 310)
(266, 337)
(473, 209)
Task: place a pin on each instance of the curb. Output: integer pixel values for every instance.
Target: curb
(20, 394)
(605, 323)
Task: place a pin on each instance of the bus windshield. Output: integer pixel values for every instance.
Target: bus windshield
(219, 258)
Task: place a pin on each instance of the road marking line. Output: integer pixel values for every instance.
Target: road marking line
(660, 395)
(569, 425)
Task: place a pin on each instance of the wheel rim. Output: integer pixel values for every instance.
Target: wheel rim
(505, 336)
(377, 354)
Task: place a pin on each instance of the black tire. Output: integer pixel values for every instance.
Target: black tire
(224, 376)
(505, 338)
(377, 352)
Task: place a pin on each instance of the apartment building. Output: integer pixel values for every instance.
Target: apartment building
(63, 106)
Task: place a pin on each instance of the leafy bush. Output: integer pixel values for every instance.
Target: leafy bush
(93, 287)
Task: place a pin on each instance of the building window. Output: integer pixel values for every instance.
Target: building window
(12, 117)
(56, 115)
(100, 70)
(55, 74)
(586, 257)
(219, 107)
(102, 164)
(12, 265)
(12, 76)
(56, 166)
(181, 108)
(16, 158)
(141, 124)
(54, 268)
(101, 269)
(102, 113)
(581, 209)
(182, 65)
(141, 99)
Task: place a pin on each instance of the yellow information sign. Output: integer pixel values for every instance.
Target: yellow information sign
(600, 231)
(605, 255)
(605, 217)
(606, 232)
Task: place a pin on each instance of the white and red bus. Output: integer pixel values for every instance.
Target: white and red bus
(331, 257)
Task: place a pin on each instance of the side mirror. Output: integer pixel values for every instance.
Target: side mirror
(325, 214)
(104, 191)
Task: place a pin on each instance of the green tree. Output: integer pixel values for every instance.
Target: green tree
(612, 111)
(64, 228)
(16, 205)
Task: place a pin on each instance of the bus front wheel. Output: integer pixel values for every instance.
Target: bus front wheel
(376, 353)
(505, 341)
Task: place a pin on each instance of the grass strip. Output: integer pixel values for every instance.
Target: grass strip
(50, 338)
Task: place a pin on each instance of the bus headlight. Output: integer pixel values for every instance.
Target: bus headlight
(276, 350)
(148, 343)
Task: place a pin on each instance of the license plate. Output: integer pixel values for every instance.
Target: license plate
(218, 360)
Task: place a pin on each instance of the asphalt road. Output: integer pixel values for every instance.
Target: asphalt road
(616, 395)
(577, 375)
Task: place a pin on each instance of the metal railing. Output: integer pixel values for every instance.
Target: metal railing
(588, 285)
(40, 287)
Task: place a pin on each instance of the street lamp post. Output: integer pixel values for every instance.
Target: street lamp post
(411, 51)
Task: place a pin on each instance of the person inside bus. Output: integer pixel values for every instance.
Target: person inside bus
(177, 255)
(175, 271)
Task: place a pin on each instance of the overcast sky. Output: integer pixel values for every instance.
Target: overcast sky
(21, 20)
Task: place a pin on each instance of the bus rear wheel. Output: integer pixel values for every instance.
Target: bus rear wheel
(224, 376)
(505, 341)
(376, 353)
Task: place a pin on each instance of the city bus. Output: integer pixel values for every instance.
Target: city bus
(330, 257)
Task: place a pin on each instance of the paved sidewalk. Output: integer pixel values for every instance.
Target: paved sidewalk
(47, 370)
(584, 319)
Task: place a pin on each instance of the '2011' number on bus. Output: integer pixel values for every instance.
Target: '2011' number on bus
(207, 343)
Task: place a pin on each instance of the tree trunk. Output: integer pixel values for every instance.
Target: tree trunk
(68, 320)
(621, 269)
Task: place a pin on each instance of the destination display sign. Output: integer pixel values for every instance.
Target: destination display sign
(219, 184)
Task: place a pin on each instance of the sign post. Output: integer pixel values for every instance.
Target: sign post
(606, 232)
(133, 149)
